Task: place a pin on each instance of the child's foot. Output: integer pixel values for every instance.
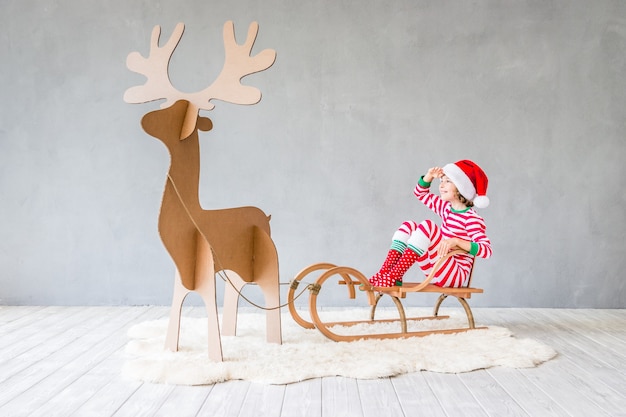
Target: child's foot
(389, 282)
(377, 278)
(373, 281)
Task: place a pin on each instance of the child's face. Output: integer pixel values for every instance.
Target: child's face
(448, 190)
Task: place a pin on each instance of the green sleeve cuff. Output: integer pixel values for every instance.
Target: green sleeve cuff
(473, 248)
(423, 183)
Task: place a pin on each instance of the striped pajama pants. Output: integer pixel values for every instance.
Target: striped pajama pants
(425, 236)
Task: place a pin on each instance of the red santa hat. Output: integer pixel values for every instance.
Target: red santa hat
(470, 180)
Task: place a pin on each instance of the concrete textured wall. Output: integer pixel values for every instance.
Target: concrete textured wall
(363, 98)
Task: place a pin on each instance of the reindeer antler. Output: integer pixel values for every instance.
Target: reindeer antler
(227, 87)
(155, 68)
(237, 64)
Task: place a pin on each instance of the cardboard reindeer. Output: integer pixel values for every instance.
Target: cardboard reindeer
(204, 242)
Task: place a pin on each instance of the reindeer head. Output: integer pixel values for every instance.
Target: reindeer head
(227, 87)
(167, 124)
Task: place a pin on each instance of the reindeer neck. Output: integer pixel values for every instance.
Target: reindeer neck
(184, 174)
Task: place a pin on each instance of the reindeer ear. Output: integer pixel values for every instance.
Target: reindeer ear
(205, 124)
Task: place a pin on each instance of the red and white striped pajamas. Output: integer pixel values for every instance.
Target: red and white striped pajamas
(424, 237)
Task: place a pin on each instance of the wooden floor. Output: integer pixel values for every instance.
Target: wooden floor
(65, 361)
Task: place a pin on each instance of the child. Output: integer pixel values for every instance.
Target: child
(463, 185)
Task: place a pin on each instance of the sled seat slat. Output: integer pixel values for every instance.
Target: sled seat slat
(415, 287)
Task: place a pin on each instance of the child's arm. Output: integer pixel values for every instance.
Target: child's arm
(422, 191)
(477, 243)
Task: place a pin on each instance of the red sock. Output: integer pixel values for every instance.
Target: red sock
(408, 258)
(392, 257)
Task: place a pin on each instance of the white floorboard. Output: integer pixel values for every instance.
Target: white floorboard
(66, 361)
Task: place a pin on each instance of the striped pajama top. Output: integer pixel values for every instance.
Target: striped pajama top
(467, 225)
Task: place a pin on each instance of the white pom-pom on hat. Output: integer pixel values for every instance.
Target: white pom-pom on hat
(481, 201)
(470, 180)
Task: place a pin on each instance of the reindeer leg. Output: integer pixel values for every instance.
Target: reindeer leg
(266, 277)
(271, 292)
(173, 328)
(232, 289)
(205, 286)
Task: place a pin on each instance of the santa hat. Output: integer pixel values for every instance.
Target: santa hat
(470, 180)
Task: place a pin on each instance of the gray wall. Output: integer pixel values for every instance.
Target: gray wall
(363, 98)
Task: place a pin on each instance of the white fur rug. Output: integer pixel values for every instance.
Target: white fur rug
(307, 354)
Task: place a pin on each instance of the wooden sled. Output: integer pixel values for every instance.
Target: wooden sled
(356, 282)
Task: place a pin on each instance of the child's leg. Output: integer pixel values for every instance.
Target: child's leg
(451, 273)
(420, 244)
(398, 246)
